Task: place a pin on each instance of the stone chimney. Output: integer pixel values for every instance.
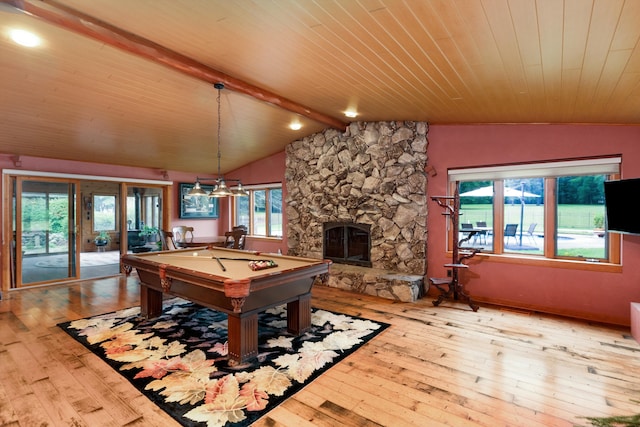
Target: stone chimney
(374, 173)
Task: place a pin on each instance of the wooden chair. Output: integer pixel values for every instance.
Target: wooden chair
(168, 242)
(181, 233)
(235, 239)
(189, 231)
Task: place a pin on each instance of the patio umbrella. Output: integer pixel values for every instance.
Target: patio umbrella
(508, 192)
(488, 192)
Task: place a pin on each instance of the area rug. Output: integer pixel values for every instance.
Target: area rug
(178, 360)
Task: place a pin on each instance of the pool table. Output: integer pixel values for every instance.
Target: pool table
(222, 279)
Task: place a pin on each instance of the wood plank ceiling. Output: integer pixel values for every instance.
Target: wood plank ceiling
(443, 61)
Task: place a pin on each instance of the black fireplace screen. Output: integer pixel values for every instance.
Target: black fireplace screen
(347, 243)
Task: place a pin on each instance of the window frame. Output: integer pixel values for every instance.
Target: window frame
(251, 189)
(549, 171)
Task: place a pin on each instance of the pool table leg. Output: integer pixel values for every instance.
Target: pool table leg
(299, 314)
(242, 340)
(150, 302)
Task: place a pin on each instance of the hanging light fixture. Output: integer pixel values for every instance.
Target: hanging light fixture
(220, 189)
(240, 191)
(197, 190)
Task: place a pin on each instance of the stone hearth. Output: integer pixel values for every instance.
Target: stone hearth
(374, 173)
(372, 281)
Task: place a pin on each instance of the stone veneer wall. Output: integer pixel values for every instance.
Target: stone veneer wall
(374, 173)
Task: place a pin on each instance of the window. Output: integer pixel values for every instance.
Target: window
(523, 214)
(261, 212)
(144, 208)
(580, 207)
(45, 222)
(104, 213)
(131, 213)
(546, 210)
(275, 212)
(476, 212)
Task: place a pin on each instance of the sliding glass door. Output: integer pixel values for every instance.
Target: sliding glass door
(44, 229)
(52, 225)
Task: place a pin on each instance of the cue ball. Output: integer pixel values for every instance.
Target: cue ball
(195, 254)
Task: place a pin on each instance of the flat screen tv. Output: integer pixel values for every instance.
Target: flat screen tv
(621, 198)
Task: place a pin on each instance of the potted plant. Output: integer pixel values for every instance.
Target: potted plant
(149, 233)
(102, 239)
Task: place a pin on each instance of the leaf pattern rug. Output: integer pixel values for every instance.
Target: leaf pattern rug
(178, 360)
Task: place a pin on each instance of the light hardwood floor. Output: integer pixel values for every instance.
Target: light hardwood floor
(434, 366)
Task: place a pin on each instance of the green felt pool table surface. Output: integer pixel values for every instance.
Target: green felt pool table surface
(236, 263)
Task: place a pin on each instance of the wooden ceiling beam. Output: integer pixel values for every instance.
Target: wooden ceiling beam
(76, 21)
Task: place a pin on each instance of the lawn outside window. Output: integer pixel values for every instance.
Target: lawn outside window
(550, 210)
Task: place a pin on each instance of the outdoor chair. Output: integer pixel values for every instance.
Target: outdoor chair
(530, 231)
(510, 231)
(466, 229)
(482, 234)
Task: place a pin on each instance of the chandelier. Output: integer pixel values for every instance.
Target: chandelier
(220, 188)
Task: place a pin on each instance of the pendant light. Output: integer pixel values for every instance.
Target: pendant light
(240, 191)
(220, 189)
(197, 190)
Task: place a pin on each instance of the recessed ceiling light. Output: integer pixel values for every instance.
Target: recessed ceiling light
(24, 38)
(350, 113)
(295, 126)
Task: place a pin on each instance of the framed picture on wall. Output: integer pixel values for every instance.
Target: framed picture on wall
(197, 207)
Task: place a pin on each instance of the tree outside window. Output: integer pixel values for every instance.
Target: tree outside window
(104, 212)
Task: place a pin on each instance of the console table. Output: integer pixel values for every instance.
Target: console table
(450, 287)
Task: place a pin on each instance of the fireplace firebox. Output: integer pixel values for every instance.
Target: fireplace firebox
(347, 243)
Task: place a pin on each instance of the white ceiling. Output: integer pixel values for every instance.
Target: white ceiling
(132, 82)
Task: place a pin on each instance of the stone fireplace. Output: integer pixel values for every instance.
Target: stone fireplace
(372, 174)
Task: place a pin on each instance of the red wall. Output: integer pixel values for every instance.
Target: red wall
(600, 296)
(586, 294)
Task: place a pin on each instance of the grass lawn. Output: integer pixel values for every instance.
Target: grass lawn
(570, 217)
(575, 225)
